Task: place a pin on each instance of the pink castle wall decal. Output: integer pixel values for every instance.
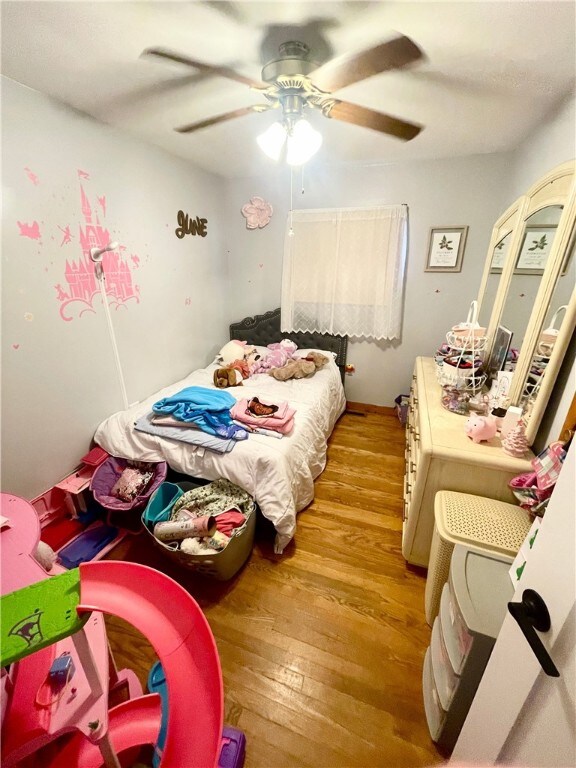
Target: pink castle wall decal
(79, 274)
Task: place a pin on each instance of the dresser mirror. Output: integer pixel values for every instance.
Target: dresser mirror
(528, 287)
(537, 239)
(498, 252)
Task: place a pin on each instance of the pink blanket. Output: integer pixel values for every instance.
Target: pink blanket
(283, 423)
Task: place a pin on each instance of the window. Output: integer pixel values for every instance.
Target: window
(344, 271)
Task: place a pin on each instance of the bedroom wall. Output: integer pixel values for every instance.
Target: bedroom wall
(550, 144)
(64, 174)
(454, 192)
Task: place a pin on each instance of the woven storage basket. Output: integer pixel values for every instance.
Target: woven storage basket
(222, 565)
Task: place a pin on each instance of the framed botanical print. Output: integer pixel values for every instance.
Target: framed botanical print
(535, 249)
(446, 249)
(500, 253)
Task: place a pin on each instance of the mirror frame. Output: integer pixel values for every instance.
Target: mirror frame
(557, 187)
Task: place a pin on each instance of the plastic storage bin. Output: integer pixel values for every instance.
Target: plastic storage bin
(402, 403)
(222, 565)
(160, 505)
(107, 474)
(485, 525)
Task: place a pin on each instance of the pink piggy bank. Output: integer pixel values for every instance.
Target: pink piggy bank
(481, 428)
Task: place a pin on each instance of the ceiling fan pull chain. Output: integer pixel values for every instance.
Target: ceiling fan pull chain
(291, 230)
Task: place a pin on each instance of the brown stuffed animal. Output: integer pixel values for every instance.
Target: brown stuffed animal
(317, 358)
(297, 368)
(227, 377)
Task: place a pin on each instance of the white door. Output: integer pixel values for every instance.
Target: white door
(520, 715)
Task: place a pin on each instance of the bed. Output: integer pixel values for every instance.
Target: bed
(278, 473)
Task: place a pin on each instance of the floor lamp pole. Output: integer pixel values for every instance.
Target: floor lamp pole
(96, 256)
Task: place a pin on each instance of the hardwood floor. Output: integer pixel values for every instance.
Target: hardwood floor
(322, 647)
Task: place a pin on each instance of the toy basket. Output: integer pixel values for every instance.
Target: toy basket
(106, 475)
(221, 565)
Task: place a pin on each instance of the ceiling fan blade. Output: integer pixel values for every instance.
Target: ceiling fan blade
(163, 53)
(377, 121)
(351, 68)
(222, 118)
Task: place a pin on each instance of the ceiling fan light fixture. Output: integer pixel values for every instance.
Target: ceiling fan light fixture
(303, 142)
(299, 140)
(272, 141)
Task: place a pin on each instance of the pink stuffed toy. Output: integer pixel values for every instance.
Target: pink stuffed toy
(278, 356)
(480, 428)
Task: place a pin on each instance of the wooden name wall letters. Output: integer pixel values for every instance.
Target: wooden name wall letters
(190, 226)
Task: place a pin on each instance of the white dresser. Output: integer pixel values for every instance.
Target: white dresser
(441, 457)
(472, 610)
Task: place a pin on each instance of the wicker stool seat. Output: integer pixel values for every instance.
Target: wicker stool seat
(479, 523)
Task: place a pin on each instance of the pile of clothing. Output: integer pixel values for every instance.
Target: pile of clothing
(211, 418)
(195, 415)
(204, 520)
(133, 480)
(264, 417)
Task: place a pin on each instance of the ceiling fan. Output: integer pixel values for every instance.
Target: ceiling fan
(294, 83)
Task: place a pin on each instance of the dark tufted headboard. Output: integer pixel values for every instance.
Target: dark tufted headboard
(265, 329)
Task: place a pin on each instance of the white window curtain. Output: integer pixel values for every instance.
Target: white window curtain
(343, 271)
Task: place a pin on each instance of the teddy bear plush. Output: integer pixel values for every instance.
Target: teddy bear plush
(317, 358)
(297, 368)
(300, 367)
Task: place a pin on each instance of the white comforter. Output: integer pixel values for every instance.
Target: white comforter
(278, 473)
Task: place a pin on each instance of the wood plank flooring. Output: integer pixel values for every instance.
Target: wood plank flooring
(322, 647)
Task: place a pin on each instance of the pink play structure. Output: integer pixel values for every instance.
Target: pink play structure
(75, 728)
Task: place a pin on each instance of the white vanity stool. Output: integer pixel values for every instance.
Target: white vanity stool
(482, 525)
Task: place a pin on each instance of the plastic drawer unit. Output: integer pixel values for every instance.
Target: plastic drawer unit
(472, 610)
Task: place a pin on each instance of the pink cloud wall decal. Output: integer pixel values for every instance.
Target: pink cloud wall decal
(29, 230)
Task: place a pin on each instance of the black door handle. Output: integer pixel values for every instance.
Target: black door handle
(531, 615)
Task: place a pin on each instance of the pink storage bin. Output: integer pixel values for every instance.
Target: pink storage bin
(105, 478)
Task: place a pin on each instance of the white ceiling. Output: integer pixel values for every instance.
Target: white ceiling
(493, 70)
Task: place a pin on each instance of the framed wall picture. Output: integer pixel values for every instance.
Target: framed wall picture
(535, 249)
(500, 253)
(446, 249)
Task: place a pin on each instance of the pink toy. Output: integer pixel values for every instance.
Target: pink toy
(159, 608)
(480, 428)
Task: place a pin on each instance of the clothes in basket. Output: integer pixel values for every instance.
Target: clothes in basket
(205, 555)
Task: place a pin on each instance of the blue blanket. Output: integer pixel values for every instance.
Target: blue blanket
(209, 409)
(183, 435)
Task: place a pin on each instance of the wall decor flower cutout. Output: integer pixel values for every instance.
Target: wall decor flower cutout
(257, 213)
